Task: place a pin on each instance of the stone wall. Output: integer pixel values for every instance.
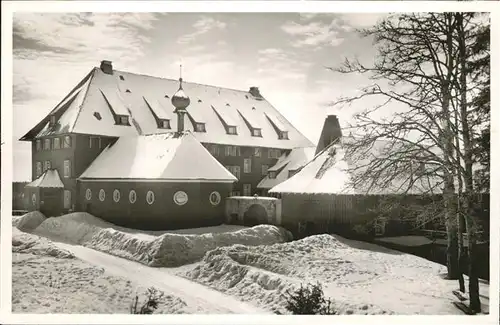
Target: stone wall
(249, 211)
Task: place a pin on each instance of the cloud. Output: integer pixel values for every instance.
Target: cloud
(202, 26)
(315, 34)
(53, 52)
(362, 20)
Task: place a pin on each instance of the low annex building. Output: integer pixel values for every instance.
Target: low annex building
(167, 181)
(98, 132)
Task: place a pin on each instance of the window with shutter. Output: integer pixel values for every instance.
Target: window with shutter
(67, 168)
(247, 165)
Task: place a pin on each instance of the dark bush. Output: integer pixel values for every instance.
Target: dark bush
(151, 302)
(308, 300)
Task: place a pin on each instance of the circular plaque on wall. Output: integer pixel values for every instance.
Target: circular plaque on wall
(88, 194)
(180, 198)
(214, 198)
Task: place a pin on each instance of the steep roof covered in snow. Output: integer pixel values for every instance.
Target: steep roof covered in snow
(289, 161)
(329, 172)
(49, 179)
(92, 105)
(157, 157)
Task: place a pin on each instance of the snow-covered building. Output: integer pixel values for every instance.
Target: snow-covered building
(287, 165)
(46, 191)
(323, 191)
(140, 180)
(240, 129)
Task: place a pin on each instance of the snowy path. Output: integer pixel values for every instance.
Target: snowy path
(192, 293)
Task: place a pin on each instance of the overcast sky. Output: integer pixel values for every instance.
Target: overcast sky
(284, 54)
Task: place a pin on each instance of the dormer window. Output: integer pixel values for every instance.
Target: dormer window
(272, 174)
(164, 124)
(278, 126)
(199, 127)
(283, 135)
(122, 120)
(231, 129)
(256, 133)
(52, 120)
(227, 118)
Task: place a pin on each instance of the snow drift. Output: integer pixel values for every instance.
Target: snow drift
(29, 221)
(31, 244)
(360, 278)
(264, 274)
(167, 249)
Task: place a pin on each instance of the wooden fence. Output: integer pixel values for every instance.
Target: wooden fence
(327, 213)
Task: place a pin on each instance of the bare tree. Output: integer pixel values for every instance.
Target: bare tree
(424, 146)
(413, 73)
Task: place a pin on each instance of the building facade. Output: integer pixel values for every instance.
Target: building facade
(240, 129)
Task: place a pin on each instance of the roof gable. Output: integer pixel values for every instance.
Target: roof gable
(49, 179)
(292, 161)
(157, 157)
(330, 172)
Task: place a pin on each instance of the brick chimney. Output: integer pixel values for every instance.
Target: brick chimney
(254, 91)
(331, 132)
(107, 66)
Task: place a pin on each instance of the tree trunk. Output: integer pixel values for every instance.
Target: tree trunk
(471, 224)
(449, 188)
(475, 302)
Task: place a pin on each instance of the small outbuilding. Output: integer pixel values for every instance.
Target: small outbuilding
(160, 181)
(46, 194)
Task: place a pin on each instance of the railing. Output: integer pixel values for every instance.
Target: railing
(438, 234)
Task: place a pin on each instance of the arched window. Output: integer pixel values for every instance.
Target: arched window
(116, 195)
(102, 195)
(150, 197)
(132, 196)
(88, 194)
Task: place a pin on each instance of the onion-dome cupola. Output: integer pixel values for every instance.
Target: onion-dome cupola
(180, 101)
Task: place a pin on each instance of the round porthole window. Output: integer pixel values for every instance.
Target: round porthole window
(180, 198)
(132, 196)
(214, 198)
(33, 199)
(102, 195)
(88, 194)
(150, 197)
(116, 195)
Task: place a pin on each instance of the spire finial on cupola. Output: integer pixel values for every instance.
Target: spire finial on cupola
(180, 101)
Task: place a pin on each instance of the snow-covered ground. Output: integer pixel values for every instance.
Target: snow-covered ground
(231, 273)
(47, 278)
(360, 278)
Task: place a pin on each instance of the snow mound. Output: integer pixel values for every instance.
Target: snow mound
(264, 274)
(167, 249)
(24, 243)
(176, 249)
(74, 228)
(29, 221)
